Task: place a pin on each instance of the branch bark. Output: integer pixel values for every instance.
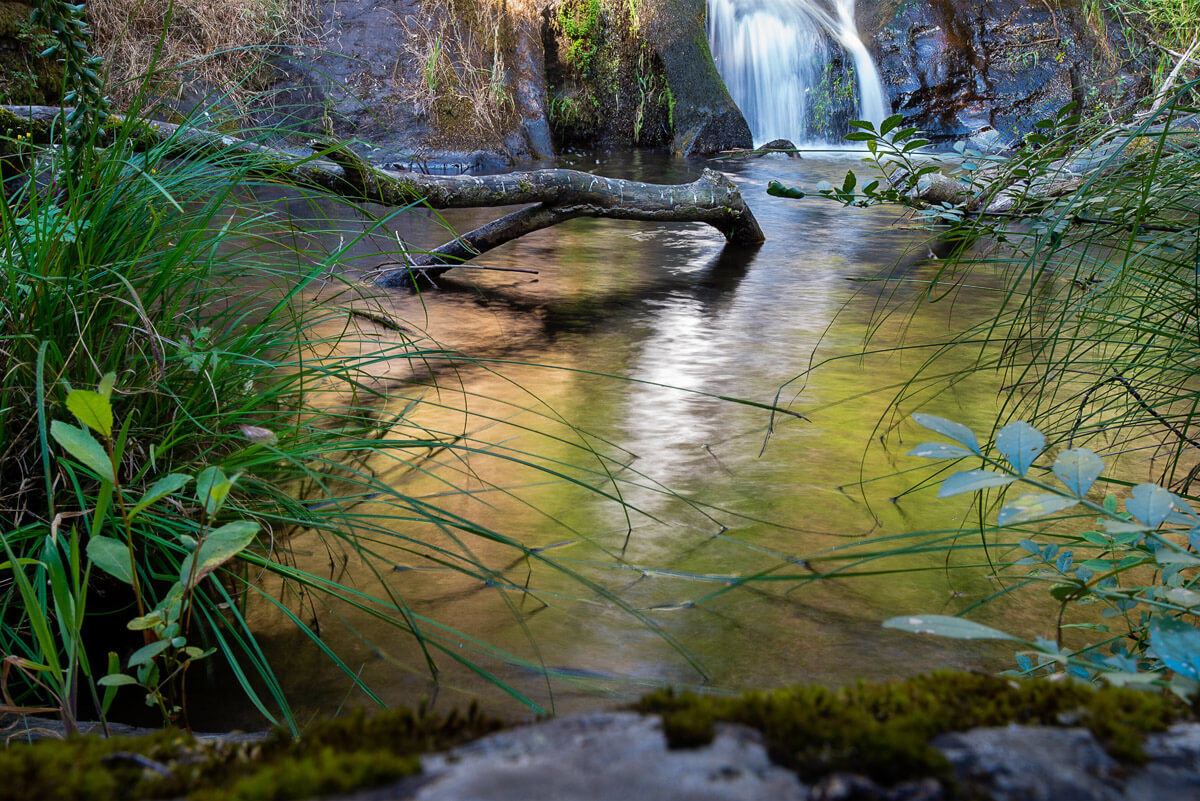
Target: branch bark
(557, 195)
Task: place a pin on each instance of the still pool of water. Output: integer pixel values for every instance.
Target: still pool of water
(694, 564)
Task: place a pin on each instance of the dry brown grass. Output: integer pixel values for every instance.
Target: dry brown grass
(459, 69)
(216, 44)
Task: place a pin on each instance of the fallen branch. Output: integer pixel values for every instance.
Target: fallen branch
(557, 195)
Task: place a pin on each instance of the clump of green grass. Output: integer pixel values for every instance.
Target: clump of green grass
(154, 306)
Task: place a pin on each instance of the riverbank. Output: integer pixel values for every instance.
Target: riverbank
(942, 736)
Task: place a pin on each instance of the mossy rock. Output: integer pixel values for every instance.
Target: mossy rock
(883, 730)
(606, 85)
(25, 76)
(332, 756)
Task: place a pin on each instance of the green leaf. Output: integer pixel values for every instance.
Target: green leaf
(116, 680)
(1150, 504)
(1168, 557)
(145, 654)
(890, 124)
(850, 182)
(92, 409)
(111, 556)
(939, 450)
(1020, 443)
(955, 431)
(1177, 644)
(105, 387)
(147, 621)
(1185, 598)
(777, 189)
(83, 447)
(971, 480)
(212, 487)
(1031, 506)
(1078, 469)
(216, 549)
(956, 628)
(159, 490)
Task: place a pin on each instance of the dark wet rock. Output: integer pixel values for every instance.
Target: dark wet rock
(705, 119)
(991, 68)
(784, 147)
(637, 74)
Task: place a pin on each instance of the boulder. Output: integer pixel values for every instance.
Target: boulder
(991, 68)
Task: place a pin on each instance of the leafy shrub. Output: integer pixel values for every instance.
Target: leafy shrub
(1138, 566)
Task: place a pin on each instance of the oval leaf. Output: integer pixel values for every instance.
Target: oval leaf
(1031, 506)
(92, 409)
(83, 447)
(143, 655)
(218, 547)
(939, 450)
(1078, 469)
(1177, 644)
(1150, 504)
(116, 680)
(161, 489)
(971, 480)
(946, 626)
(212, 486)
(111, 556)
(1020, 443)
(955, 431)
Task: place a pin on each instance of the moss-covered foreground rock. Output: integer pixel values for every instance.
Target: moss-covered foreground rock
(330, 757)
(880, 731)
(884, 731)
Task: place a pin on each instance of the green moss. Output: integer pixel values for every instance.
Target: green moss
(606, 83)
(580, 21)
(883, 730)
(331, 756)
(25, 76)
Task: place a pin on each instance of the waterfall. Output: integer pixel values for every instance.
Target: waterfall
(785, 63)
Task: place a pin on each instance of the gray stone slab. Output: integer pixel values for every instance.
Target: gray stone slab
(1033, 763)
(615, 756)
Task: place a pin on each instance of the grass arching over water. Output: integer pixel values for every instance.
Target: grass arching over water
(1093, 340)
(161, 269)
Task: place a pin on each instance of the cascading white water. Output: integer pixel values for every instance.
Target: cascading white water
(776, 58)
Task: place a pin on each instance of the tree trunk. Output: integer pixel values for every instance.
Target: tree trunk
(558, 194)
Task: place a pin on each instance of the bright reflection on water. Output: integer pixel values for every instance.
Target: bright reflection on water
(683, 319)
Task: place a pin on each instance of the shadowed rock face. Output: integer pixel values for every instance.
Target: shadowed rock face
(660, 88)
(959, 68)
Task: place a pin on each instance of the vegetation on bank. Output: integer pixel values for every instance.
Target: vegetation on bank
(176, 405)
(880, 731)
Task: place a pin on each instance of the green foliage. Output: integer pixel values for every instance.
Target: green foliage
(1138, 567)
(580, 22)
(165, 428)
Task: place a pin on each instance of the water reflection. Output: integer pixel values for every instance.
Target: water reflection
(720, 568)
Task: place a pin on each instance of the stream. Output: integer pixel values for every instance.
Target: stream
(605, 367)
